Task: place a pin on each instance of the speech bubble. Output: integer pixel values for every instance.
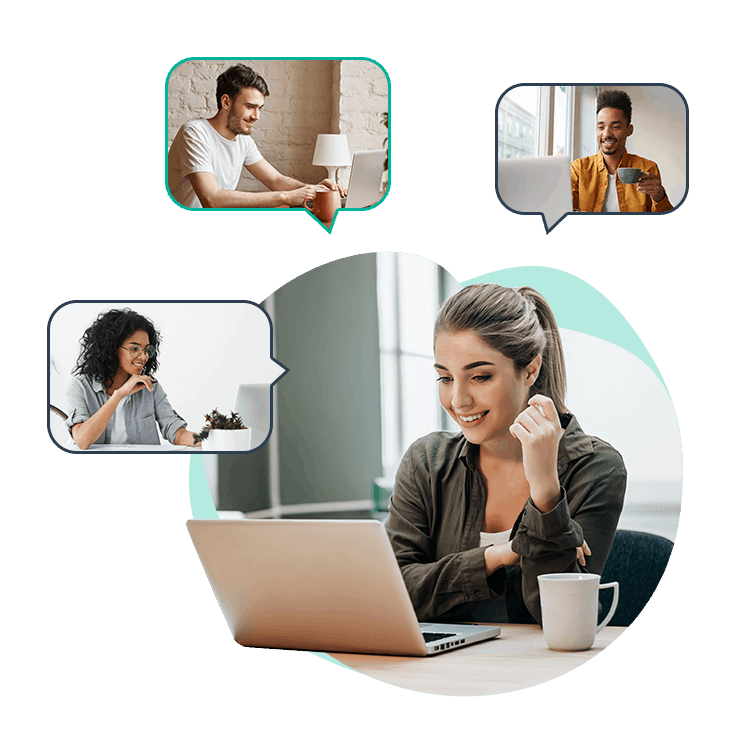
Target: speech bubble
(543, 129)
(328, 225)
(212, 355)
(323, 120)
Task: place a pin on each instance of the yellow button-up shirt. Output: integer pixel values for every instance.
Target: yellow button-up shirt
(589, 179)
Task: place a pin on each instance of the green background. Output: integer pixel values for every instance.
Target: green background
(112, 637)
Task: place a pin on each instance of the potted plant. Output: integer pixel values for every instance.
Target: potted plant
(223, 433)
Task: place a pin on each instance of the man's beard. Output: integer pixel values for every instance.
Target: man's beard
(234, 124)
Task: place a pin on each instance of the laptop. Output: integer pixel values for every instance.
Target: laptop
(318, 585)
(538, 184)
(365, 178)
(253, 404)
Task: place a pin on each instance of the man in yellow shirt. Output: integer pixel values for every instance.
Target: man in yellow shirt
(595, 184)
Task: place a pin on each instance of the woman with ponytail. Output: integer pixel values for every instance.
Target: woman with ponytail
(521, 490)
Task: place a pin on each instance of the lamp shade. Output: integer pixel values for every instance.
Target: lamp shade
(331, 151)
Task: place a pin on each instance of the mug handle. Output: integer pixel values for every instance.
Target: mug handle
(312, 200)
(616, 595)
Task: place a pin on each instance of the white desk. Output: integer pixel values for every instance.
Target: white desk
(118, 448)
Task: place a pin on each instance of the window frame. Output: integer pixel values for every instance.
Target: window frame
(577, 114)
(445, 286)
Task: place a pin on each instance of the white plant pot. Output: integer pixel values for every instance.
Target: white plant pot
(228, 440)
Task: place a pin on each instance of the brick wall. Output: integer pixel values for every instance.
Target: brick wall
(362, 97)
(307, 97)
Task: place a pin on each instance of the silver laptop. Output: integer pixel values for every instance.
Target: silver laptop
(253, 404)
(365, 178)
(539, 184)
(312, 585)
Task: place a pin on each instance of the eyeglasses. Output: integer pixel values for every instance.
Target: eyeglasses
(136, 351)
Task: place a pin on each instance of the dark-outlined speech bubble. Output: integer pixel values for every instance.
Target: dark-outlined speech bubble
(549, 160)
(207, 355)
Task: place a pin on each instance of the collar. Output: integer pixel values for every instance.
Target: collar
(96, 385)
(602, 167)
(574, 444)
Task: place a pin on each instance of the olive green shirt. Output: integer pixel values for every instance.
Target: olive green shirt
(437, 510)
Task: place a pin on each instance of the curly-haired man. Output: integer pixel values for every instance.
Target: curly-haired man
(596, 186)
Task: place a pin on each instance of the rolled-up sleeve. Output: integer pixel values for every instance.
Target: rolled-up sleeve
(662, 205)
(542, 534)
(436, 587)
(589, 509)
(78, 410)
(169, 421)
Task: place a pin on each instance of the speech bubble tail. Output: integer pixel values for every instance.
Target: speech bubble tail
(271, 371)
(327, 226)
(549, 227)
(277, 369)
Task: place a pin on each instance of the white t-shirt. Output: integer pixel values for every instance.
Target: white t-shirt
(611, 201)
(199, 148)
(497, 537)
(119, 433)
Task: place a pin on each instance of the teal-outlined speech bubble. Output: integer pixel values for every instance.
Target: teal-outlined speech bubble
(189, 97)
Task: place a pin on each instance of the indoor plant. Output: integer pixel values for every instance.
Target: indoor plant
(223, 433)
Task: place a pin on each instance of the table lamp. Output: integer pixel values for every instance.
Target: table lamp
(331, 152)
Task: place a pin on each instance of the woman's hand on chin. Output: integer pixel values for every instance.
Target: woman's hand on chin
(538, 429)
(134, 384)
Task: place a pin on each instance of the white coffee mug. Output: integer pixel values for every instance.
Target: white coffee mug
(570, 608)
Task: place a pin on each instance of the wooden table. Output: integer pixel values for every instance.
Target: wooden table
(517, 659)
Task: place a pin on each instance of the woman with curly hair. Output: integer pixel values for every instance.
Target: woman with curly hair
(113, 397)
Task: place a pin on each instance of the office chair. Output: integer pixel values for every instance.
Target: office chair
(57, 427)
(637, 561)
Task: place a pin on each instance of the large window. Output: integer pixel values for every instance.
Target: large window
(410, 292)
(547, 121)
(517, 122)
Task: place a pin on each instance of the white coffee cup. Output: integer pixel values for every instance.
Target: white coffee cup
(570, 608)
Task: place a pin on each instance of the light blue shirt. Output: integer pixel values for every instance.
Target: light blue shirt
(142, 411)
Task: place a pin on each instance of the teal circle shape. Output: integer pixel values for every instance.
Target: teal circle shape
(201, 502)
(577, 306)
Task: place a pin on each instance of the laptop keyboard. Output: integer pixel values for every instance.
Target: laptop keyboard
(436, 636)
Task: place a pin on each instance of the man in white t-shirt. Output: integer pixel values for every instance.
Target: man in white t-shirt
(207, 156)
